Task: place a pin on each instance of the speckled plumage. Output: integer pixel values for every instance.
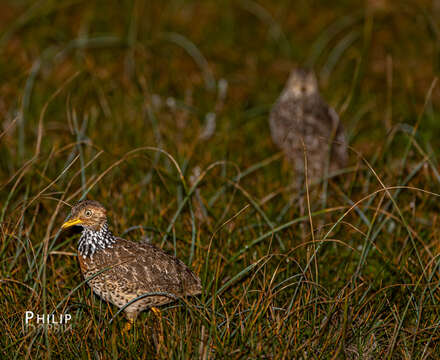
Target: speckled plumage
(134, 269)
(301, 115)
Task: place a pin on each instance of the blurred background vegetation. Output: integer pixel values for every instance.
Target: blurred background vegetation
(91, 90)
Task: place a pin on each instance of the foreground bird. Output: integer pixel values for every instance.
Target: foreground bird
(299, 118)
(129, 269)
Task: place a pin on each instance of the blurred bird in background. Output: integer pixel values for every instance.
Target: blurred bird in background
(301, 120)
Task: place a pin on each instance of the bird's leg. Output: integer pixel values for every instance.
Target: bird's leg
(300, 185)
(131, 317)
(128, 325)
(158, 314)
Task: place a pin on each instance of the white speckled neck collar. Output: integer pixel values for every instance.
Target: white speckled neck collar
(92, 241)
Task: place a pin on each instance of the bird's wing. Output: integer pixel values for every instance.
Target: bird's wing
(339, 147)
(141, 268)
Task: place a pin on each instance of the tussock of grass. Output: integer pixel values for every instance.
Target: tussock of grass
(159, 111)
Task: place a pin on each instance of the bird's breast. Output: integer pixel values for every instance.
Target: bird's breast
(90, 265)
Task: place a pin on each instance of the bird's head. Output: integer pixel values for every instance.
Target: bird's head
(302, 83)
(89, 214)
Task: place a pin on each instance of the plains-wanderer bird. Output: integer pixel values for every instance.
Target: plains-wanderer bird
(302, 119)
(126, 269)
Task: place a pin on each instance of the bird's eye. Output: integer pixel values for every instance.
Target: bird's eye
(88, 213)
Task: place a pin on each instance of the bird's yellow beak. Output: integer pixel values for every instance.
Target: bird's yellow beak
(70, 223)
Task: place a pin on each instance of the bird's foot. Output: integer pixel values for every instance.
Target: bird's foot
(156, 312)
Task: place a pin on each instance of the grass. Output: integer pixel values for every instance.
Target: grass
(116, 102)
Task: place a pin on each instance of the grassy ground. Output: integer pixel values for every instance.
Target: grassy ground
(91, 90)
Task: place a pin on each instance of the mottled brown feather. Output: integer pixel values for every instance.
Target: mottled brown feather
(136, 269)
